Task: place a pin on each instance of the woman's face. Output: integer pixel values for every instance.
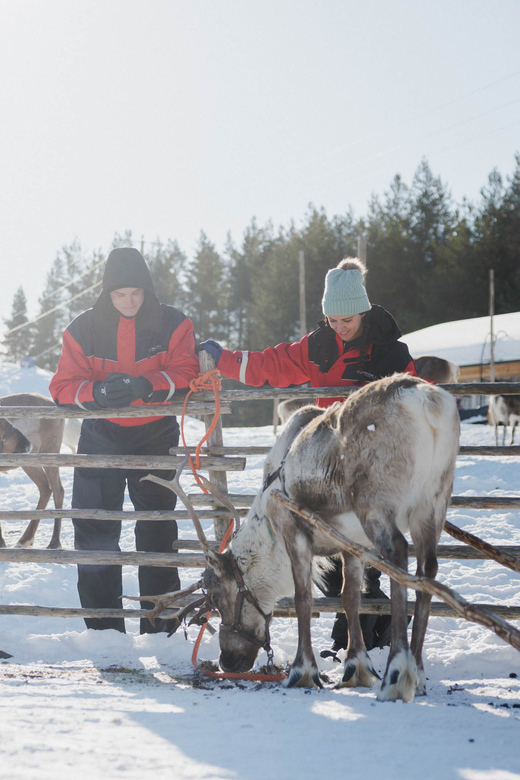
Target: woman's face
(347, 327)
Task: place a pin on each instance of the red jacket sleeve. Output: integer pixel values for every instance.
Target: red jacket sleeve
(73, 381)
(281, 366)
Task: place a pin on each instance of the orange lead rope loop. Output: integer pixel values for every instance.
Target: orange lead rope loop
(207, 381)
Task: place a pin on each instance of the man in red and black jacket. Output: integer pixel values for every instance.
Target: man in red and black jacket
(127, 350)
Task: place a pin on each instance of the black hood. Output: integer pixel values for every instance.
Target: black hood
(382, 328)
(126, 267)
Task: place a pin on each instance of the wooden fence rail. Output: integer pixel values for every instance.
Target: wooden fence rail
(218, 460)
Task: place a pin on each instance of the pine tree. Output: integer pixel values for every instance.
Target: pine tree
(167, 265)
(18, 341)
(324, 243)
(50, 326)
(207, 293)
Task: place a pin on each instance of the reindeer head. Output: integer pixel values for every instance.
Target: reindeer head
(12, 440)
(244, 627)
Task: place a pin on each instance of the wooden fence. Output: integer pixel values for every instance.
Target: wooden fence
(217, 460)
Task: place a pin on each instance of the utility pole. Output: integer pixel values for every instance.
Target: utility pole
(491, 333)
(362, 248)
(303, 325)
(303, 314)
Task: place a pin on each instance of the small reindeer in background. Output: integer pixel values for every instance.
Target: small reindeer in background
(504, 410)
(44, 435)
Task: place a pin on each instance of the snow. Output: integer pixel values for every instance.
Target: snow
(467, 342)
(107, 705)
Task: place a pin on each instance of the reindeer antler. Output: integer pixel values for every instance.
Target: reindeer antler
(175, 485)
(222, 498)
(165, 600)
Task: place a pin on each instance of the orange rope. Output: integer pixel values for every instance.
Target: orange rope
(210, 381)
(207, 381)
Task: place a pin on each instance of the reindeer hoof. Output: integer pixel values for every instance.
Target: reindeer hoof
(401, 679)
(54, 546)
(303, 678)
(24, 545)
(359, 672)
(420, 689)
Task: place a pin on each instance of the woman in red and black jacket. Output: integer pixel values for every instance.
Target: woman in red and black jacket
(127, 350)
(355, 344)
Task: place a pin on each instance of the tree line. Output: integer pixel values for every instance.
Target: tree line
(428, 261)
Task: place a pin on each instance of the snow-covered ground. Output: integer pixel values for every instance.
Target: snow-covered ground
(101, 704)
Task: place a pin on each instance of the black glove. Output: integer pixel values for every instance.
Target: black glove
(212, 347)
(119, 390)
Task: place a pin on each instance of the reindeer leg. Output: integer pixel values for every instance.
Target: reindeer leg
(58, 493)
(2, 540)
(304, 670)
(359, 671)
(400, 678)
(38, 476)
(427, 566)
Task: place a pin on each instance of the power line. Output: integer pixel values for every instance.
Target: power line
(51, 311)
(73, 281)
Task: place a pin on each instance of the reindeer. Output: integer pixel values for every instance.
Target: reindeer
(11, 440)
(505, 410)
(436, 369)
(44, 436)
(374, 467)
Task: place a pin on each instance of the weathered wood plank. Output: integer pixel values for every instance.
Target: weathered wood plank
(143, 462)
(102, 558)
(284, 608)
(197, 407)
(105, 514)
(16, 555)
(235, 450)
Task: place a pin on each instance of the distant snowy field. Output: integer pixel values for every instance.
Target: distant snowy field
(109, 705)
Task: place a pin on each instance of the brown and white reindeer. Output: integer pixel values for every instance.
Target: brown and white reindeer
(504, 410)
(375, 467)
(11, 440)
(45, 435)
(436, 369)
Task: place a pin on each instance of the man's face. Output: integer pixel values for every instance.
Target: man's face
(128, 300)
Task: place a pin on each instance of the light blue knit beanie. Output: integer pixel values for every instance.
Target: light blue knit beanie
(344, 293)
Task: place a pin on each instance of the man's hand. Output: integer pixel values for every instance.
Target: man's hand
(119, 390)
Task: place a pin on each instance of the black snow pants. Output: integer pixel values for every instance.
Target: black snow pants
(376, 628)
(101, 586)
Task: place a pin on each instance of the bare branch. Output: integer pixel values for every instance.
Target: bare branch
(489, 550)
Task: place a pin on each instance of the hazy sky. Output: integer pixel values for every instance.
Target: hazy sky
(168, 117)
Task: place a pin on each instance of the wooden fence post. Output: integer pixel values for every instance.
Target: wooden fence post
(218, 478)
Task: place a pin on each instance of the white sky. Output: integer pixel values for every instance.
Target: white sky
(169, 117)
